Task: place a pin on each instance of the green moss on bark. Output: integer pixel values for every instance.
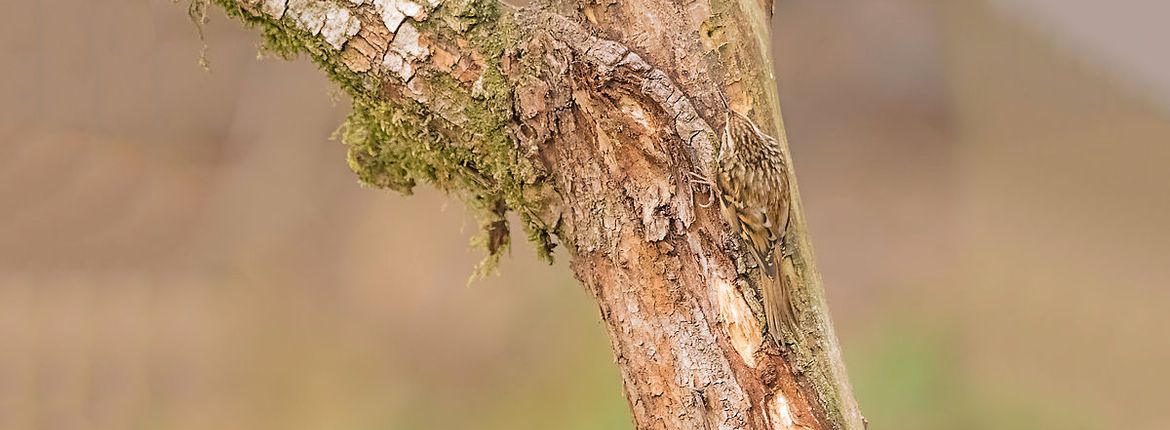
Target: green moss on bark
(393, 145)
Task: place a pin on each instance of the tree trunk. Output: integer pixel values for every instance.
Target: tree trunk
(586, 119)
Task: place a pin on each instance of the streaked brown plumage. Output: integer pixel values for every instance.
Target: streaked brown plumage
(751, 179)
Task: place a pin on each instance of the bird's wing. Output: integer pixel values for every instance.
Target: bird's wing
(751, 220)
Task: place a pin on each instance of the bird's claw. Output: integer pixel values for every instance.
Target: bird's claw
(696, 178)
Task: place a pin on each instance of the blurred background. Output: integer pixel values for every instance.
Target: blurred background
(986, 183)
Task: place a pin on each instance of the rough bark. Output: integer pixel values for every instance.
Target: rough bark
(585, 118)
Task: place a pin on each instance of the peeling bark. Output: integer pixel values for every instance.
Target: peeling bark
(586, 120)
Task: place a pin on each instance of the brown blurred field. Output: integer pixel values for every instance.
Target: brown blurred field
(986, 184)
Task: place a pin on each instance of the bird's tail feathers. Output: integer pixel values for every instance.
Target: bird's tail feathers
(779, 309)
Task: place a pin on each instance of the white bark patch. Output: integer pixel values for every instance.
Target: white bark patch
(336, 24)
(780, 413)
(273, 8)
(357, 2)
(399, 65)
(391, 16)
(412, 9)
(407, 43)
(340, 25)
(394, 12)
(741, 325)
(405, 51)
(309, 15)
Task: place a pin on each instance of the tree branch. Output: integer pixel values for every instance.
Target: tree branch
(586, 120)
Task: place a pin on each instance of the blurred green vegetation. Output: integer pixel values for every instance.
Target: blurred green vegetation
(910, 375)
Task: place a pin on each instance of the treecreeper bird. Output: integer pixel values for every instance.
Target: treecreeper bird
(751, 181)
